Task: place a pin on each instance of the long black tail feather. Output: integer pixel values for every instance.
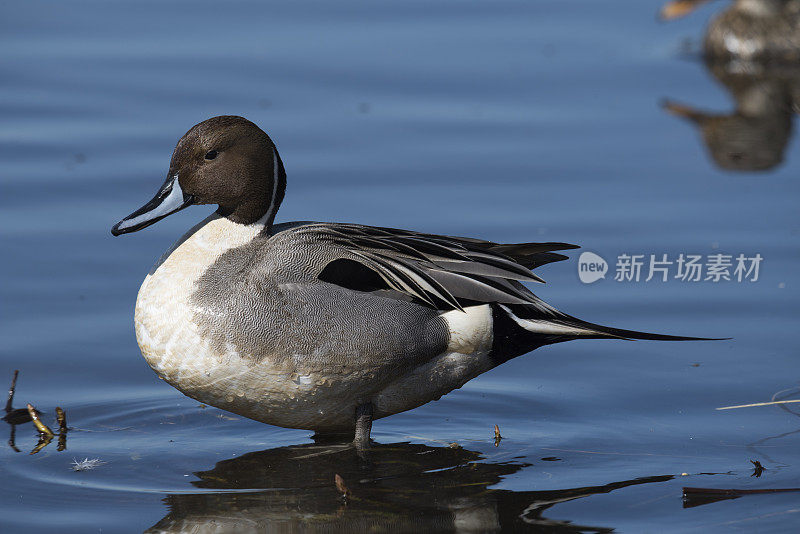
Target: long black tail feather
(574, 328)
(621, 333)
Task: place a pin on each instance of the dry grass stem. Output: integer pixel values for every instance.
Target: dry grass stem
(43, 429)
(758, 404)
(62, 419)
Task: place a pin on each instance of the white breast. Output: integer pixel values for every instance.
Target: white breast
(162, 306)
(164, 329)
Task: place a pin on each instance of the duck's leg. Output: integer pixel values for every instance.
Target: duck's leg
(363, 424)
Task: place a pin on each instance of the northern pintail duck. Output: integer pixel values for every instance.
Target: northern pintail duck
(324, 326)
(749, 30)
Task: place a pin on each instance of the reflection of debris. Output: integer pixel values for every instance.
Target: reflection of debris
(341, 486)
(497, 436)
(86, 464)
(700, 496)
(45, 434)
(61, 417)
(44, 441)
(757, 469)
(17, 416)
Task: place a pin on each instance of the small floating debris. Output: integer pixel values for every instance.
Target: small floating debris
(497, 436)
(21, 416)
(86, 464)
(43, 429)
(757, 468)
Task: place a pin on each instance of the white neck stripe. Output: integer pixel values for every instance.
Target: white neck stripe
(275, 171)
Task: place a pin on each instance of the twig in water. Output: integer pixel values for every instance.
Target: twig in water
(29, 413)
(12, 416)
(758, 404)
(43, 429)
(61, 417)
(11, 390)
(497, 436)
(45, 434)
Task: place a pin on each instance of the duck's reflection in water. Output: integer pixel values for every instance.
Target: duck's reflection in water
(753, 49)
(755, 135)
(392, 488)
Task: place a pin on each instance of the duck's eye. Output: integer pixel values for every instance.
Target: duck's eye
(211, 154)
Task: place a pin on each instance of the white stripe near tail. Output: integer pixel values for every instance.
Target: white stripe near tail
(539, 326)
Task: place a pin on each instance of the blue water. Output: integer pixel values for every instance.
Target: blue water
(509, 121)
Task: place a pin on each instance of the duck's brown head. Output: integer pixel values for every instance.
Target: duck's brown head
(228, 161)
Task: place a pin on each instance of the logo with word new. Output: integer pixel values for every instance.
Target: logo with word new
(591, 267)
